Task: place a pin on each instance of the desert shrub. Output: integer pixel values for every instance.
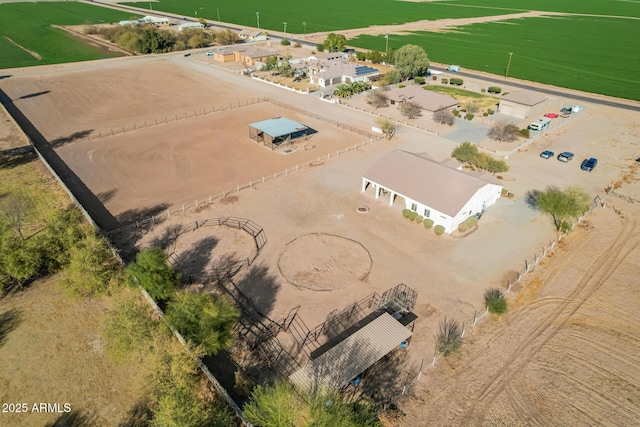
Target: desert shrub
(456, 81)
(503, 192)
(413, 215)
(419, 219)
(483, 90)
(524, 133)
(510, 195)
(407, 212)
(438, 229)
(565, 226)
(490, 111)
(419, 80)
(297, 45)
(485, 114)
(401, 86)
(469, 116)
(444, 80)
(494, 301)
(494, 89)
(444, 117)
(434, 78)
(285, 42)
(449, 336)
(455, 113)
(320, 47)
(506, 93)
(468, 224)
(499, 177)
(428, 223)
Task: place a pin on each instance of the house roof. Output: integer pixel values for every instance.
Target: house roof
(279, 126)
(345, 68)
(327, 56)
(256, 52)
(428, 100)
(525, 97)
(426, 181)
(352, 356)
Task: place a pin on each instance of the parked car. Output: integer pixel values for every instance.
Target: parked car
(454, 68)
(209, 53)
(589, 164)
(552, 115)
(565, 156)
(546, 154)
(187, 54)
(566, 110)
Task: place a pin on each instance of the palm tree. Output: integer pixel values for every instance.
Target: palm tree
(342, 91)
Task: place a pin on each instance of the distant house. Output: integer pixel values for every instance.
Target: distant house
(328, 56)
(249, 56)
(191, 26)
(426, 99)
(521, 104)
(327, 73)
(129, 22)
(434, 190)
(155, 20)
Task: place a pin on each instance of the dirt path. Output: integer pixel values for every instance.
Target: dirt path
(440, 25)
(30, 52)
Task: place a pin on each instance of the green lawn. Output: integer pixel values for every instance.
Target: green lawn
(593, 54)
(454, 91)
(29, 24)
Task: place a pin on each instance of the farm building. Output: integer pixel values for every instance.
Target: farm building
(342, 71)
(521, 104)
(191, 26)
(155, 20)
(427, 100)
(276, 132)
(434, 190)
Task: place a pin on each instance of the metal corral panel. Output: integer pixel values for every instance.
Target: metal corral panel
(336, 367)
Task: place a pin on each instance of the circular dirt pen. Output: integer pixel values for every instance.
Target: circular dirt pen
(324, 262)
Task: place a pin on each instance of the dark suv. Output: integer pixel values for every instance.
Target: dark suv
(589, 164)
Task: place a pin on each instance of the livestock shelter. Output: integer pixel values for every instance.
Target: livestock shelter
(278, 131)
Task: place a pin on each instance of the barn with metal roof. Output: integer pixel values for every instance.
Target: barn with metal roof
(278, 131)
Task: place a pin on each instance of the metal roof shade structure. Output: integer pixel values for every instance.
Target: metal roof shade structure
(277, 131)
(336, 367)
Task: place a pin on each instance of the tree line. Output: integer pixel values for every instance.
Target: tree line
(149, 39)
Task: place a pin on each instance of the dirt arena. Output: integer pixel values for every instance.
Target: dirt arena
(167, 165)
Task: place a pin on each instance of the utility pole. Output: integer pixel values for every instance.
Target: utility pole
(258, 19)
(386, 49)
(506, 74)
(218, 10)
(304, 25)
(285, 29)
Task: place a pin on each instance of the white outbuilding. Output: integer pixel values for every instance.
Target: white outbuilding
(444, 194)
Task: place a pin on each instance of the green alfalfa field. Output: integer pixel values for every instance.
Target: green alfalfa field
(592, 54)
(29, 25)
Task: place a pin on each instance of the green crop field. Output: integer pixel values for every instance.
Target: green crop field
(332, 15)
(593, 54)
(29, 25)
(341, 15)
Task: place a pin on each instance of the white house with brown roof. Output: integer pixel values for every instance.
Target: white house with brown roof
(434, 190)
(426, 99)
(521, 104)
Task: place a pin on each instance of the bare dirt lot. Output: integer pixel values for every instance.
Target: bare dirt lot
(566, 354)
(167, 165)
